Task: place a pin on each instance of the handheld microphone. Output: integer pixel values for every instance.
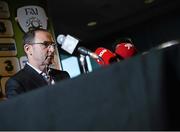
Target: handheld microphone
(85, 51)
(60, 38)
(46, 68)
(106, 55)
(68, 43)
(44, 62)
(125, 50)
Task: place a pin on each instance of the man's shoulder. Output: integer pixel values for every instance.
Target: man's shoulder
(19, 74)
(22, 73)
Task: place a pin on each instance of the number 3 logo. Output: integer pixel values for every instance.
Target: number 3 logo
(9, 67)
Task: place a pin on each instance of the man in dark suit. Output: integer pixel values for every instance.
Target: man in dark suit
(39, 47)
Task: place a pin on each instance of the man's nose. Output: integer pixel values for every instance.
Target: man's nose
(51, 48)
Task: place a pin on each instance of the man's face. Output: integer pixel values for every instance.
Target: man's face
(42, 54)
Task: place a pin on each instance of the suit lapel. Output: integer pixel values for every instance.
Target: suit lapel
(34, 75)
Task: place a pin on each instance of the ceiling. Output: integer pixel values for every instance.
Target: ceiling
(72, 16)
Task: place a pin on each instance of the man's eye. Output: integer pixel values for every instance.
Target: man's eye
(46, 43)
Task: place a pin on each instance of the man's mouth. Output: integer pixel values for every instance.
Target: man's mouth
(50, 56)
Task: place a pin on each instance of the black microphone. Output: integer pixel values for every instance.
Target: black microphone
(88, 52)
(45, 59)
(46, 65)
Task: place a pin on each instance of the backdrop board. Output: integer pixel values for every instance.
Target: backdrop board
(16, 18)
(140, 93)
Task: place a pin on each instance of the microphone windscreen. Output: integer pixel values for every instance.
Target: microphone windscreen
(60, 39)
(68, 43)
(106, 55)
(125, 50)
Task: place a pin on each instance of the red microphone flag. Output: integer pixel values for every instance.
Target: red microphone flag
(107, 56)
(125, 50)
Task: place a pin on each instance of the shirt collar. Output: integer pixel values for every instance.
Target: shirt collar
(39, 71)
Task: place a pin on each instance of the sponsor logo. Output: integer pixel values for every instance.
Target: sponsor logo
(4, 10)
(7, 47)
(9, 66)
(30, 17)
(102, 52)
(6, 29)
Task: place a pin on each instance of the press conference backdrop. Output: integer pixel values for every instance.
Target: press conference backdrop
(16, 16)
(140, 93)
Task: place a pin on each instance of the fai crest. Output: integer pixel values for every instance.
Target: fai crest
(31, 16)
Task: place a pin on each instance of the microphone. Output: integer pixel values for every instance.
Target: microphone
(60, 38)
(44, 62)
(106, 55)
(69, 44)
(125, 50)
(85, 51)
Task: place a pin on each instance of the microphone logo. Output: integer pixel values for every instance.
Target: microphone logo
(102, 52)
(128, 45)
(107, 57)
(125, 50)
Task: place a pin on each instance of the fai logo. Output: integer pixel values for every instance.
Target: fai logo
(31, 16)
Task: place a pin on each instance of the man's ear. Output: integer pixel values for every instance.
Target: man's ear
(27, 49)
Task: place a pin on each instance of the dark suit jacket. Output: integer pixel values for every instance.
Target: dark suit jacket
(28, 79)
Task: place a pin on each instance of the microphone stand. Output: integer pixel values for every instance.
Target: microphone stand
(83, 63)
